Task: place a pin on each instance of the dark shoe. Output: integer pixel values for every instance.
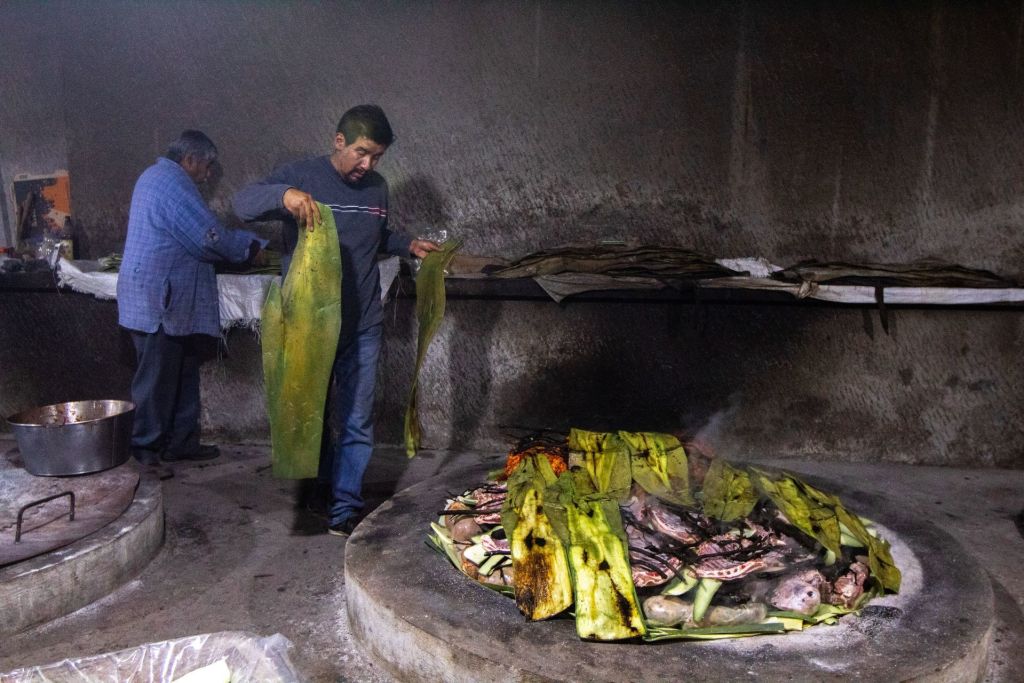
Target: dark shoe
(201, 453)
(317, 507)
(314, 499)
(344, 527)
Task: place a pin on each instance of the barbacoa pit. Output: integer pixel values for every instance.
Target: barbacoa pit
(639, 539)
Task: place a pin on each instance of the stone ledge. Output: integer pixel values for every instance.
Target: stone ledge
(423, 621)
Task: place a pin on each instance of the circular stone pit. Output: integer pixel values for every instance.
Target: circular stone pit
(423, 620)
(59, 582)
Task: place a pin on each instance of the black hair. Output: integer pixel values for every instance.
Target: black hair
(366, 120)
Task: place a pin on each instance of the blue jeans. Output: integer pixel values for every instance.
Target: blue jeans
(348, 423)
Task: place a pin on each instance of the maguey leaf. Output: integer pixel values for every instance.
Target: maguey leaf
(728, 493)
(605, 458)
(880, 561)
(606, 603)
(924, 273)
(541, 579)
(659, 465)
(804, 512)
(430, 305)
(659, 261)
(301, 321)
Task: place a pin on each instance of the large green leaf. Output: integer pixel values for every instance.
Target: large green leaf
(804, 512)
(605, 458)
(659, 465)
(543, 586)
(301, 322)
(607, 607)
(823, 516)
(728, 493)
(430, 305)
(880, 561)
(534, 472)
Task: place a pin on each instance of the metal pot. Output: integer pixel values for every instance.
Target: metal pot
(74, 438)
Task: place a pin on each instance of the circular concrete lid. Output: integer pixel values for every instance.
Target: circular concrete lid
(425, 621)
(63, 580)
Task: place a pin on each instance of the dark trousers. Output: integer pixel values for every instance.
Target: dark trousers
(165, 391)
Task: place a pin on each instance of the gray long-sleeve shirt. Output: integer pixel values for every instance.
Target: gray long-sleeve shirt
(361, 215)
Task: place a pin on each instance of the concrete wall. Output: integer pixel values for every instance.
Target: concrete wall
(34, 137)
(788, 130)
(747, 381)
(783, 129)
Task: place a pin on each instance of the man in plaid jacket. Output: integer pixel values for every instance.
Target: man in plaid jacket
(167, 295)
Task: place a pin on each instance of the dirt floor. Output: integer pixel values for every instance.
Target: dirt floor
(240, 555)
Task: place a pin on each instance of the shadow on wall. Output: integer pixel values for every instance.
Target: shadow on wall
(638, 367)
(470, 372)
(417, 206)
(58, 347)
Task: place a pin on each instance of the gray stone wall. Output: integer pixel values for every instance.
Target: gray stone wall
(744, 381)
(747, 381)
(789, 130)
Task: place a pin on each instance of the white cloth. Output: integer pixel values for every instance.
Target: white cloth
(240, 297)
(861, 294)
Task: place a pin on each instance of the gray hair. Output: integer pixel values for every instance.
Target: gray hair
(192, 143)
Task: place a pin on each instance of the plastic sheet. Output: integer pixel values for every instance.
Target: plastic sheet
(250, 658)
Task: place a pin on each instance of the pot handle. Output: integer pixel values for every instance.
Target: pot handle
(21, 512)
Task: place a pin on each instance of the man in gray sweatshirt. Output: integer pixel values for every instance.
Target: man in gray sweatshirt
(346, 182)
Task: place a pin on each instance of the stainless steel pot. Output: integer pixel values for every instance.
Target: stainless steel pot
(74, 438)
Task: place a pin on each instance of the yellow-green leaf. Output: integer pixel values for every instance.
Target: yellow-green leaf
(430, 305)
(301, 322)
(880, 561)
(605, 459)
(728, 492)
(540, 570)
(659, 465)
(606, 603)
(803, 511)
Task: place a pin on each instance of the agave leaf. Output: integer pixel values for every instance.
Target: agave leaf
(823, 516)
(683, 585)
(802, 510)
(605, 459)
(590, 525)
(272, 347)
(606, 603)
(540, 569)
(657, 633)
(880, 561)
(301, 323)
(430, 305)
(728, 492)
(706, 590)
(659, 465)
(442, 540)
(787, 623)
(534, 472)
